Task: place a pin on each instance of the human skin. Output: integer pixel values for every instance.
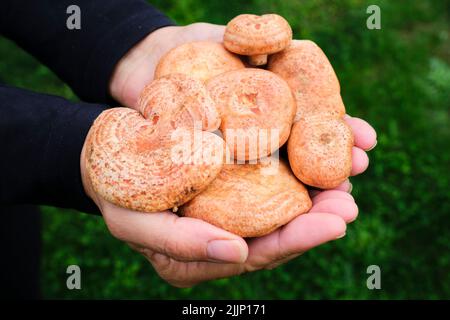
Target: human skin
(185, 251)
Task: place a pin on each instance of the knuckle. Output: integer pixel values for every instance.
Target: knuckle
(170, 244)
(281, 261)
(171, 271)
(273, 265)
(160, 262)
(178, 246)
(185, 274)
(251, 267)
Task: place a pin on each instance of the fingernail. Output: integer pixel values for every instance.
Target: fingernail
(374, 145)
(341, 236)
(350, 188)
(226, 251)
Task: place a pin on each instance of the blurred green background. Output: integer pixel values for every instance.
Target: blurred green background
(397, 78)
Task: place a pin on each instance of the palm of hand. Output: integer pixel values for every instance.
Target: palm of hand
(186, 251)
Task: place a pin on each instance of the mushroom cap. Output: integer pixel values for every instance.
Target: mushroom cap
(248, 202)
(201, 60)
(249, 34)
(130, 160)
(257, 109)
(179, 101)
(311, 77)
(320, 151)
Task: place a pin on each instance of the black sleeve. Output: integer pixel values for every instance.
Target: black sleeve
(83, 58)
(42, 138)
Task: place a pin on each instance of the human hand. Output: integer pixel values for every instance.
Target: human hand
(325, 221)
(185, 251)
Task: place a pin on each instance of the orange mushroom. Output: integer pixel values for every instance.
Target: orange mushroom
(311, 77)
(257, 36)
(249, 202)
(320, 151)
(257, 109)
(201, 60)
(130, 160)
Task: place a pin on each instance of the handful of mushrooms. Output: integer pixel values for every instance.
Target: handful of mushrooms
(289, 90)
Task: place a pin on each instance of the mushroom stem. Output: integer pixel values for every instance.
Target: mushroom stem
(258, 59)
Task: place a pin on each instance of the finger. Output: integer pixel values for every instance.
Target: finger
(202, 31)
(186, 274)
(216, 33)
(344, 208)
(332, 194)
(179, 237)
(364, 134)
(301, 234)
(360, 161)
(282, 261)
(345, 186)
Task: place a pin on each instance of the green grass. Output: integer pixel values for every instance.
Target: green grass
(398, 78)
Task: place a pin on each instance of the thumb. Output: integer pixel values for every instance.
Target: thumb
(182, 238)
(202, 31)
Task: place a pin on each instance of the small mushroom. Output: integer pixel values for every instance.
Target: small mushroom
(257, 36)
(257, 110)
(320, 151)
(311, 77)
(129, 157)
(249, 202)
(201, 60)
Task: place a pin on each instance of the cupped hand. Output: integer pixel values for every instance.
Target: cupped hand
(185, 251)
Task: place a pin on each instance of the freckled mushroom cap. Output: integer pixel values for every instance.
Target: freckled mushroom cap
(200, 60)
(249, 34)
(311, 77)
(179, 100)
(249, 202)
(320, 151)
(130, 160)
(254, 104)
